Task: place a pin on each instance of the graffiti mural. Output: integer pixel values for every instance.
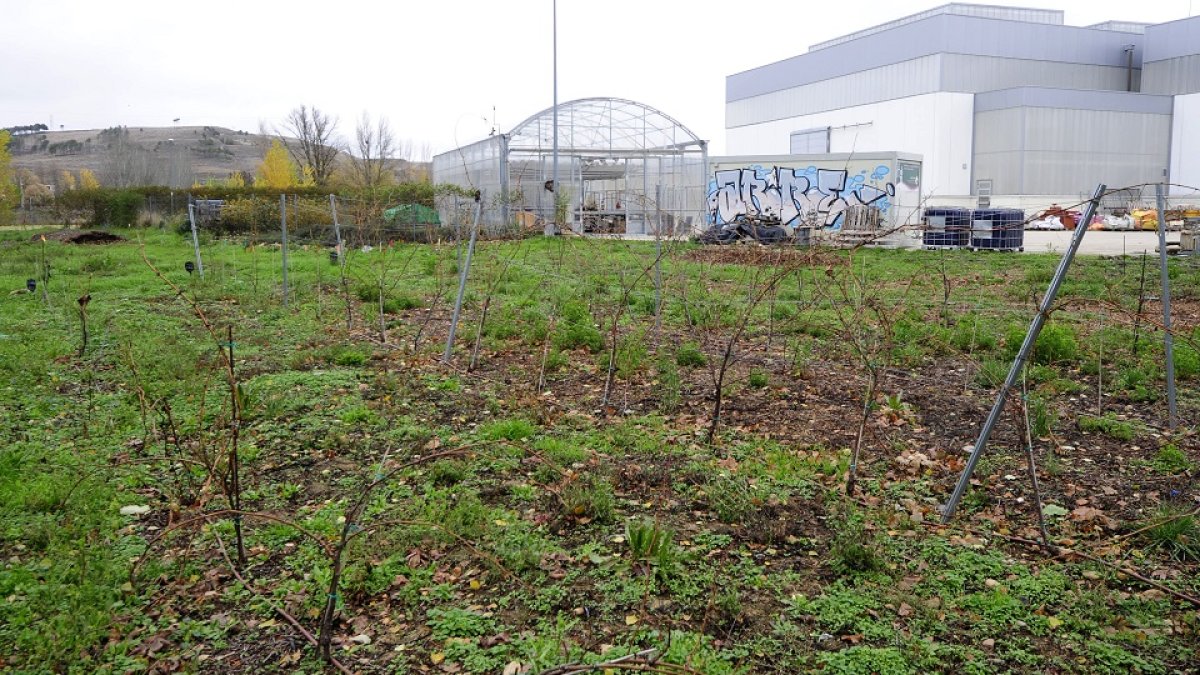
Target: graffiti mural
(795, 195)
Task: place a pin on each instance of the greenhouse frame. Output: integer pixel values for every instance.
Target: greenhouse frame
(623, 168)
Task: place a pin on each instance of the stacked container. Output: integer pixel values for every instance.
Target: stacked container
(997, 230)
(946, 228)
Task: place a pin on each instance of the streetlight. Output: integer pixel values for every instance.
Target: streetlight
(550, 229)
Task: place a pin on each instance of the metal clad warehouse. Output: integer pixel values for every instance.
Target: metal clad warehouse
(996, 100)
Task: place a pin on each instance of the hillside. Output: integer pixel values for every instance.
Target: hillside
(173, 156)
(168, 155)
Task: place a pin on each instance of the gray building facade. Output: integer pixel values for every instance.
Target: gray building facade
(997, 100)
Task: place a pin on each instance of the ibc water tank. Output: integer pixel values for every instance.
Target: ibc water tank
(998, 230)
(946, 227)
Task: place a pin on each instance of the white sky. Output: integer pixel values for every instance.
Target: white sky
(434, 68)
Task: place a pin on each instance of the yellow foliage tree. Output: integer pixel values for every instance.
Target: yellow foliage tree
(10, 195)
(87, 180)
(277, 169)
(66, 181)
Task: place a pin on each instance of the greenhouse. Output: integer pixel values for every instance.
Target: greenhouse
(623, 168)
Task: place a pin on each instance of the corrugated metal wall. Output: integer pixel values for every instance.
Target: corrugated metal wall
(1180, 75)
(1062, 151)
(908, 78)
(974, 74)
(940, 72)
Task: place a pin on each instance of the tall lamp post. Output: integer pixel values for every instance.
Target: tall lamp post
(553, 228)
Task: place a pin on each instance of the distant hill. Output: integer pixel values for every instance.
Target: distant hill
(122, 156)
(176, 156)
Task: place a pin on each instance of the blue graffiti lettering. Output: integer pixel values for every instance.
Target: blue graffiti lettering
(794, 195)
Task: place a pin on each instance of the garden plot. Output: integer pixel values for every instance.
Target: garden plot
(632, 460)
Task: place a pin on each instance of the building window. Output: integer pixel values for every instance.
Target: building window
(810, 142)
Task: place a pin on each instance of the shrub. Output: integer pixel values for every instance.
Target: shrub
(689, 355)
(261, 214)
(589, 498)
(1055, 344)
(349, 357)
(669, 386)
(1187, 362)
(650, 541)
(575, 335)
(1107, 425)
(970, 333)
(991, 373)
(1041, 417)
(115, 207)
(511, 430)
(1177, 534)
(853, 550)
(631, 355)
(1170, 459)
(758, 379)
(447, 472)
(730, 498)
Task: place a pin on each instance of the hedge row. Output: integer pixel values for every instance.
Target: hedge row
(120, 206)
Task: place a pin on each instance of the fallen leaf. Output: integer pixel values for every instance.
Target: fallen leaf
(631, 619)
(437, 657)
(1053, 510)
(1053, 621)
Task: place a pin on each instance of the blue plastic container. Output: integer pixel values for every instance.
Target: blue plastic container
(946, 228)
(998, 230)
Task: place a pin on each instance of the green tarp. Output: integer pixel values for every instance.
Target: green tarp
(411, 214)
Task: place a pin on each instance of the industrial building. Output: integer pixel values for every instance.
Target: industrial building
(1001, 105)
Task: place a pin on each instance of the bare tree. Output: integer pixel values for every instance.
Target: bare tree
(312, 142)
(126, 163)
(374, 149)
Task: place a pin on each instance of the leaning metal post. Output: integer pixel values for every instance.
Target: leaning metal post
(462, 279)
(1172, 413)
(1031, 336)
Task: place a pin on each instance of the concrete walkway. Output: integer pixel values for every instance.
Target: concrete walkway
(1039, 241)
(1096, 243)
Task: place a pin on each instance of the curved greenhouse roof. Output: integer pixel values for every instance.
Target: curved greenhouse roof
(603, 124)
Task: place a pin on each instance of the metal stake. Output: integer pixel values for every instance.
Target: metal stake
(658, 256)
(195, 239)
(337, 229)
(462, 279)
(1031, 336)
(1172, 413)
(283, 231)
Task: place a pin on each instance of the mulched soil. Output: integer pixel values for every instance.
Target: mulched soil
(69, 236)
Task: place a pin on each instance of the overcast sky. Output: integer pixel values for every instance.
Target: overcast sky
(434, 68)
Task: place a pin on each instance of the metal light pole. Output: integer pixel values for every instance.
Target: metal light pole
(554, 164)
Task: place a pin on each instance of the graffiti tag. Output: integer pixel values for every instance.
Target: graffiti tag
(794, 195)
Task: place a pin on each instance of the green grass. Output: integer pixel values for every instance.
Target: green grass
(551, 520)
(1108, 425)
